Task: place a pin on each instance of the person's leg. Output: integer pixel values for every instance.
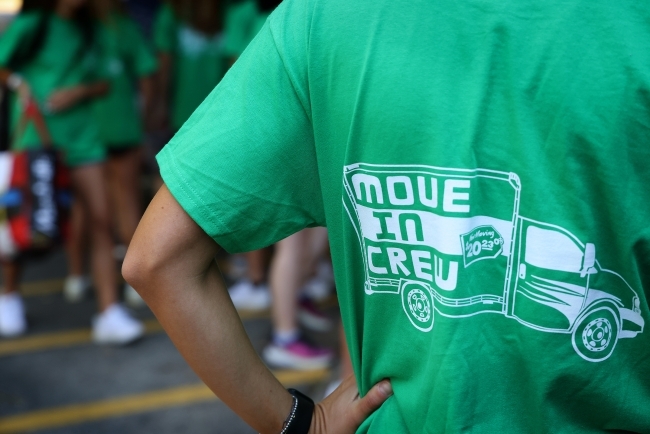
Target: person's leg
(90, 190)
(12, 311)
(124, 169)
(309, 314)
(113, 325)
(75, 283)
(286, 276)
(252, 292)
(256, 272)
(289, 349)
(11, 272)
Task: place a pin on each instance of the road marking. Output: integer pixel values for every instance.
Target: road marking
(49, 341)
(132, 404)
(41, 287)
(71, 338)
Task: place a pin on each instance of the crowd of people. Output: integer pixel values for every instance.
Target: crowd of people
(111, 96)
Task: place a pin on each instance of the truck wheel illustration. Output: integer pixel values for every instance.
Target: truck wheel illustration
(595, 336)
(418, 305)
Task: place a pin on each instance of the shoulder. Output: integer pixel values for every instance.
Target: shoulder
(26, 21)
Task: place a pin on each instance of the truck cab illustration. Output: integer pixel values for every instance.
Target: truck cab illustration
(426, 237)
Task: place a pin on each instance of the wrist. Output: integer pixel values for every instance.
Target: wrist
(300, 418)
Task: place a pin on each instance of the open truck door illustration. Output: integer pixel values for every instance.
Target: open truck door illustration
(451, 242)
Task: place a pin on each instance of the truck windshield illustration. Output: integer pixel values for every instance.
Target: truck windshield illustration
(451, 242)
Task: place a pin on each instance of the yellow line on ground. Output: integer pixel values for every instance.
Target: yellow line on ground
(131, 404)
(41, 287)
(49, 341)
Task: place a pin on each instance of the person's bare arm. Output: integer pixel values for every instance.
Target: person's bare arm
(63, 99)
(16, 83)
(147, 92)
(160, 109)
(171, 264)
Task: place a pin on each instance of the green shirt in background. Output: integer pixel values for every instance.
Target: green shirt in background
(126, 57)
(199, 62)
(62, 62)
(243, 22)
(482, 167)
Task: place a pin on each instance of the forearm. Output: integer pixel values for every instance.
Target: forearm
(147, 93)
(183, 287)
(94, 90)
(164, 78)
(206, 329)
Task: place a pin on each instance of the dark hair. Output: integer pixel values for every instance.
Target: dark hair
(267, 5)
(206, 16)
(29, 48)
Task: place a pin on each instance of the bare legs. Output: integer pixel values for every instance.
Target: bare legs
(76, 244)
(256, 262)
(90, 191)
(124, 187)
(293, 262)
(11, 275)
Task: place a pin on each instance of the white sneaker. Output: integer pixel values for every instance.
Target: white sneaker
(132, 298)
(75, 288)
(12, 315)
(247, 296)
(319, 287)
(116, 326)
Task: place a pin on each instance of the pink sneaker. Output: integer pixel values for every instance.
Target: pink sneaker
(297, 355)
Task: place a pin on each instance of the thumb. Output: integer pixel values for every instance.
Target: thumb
(373, 400)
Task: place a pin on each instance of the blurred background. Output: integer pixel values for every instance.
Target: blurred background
(80, 352)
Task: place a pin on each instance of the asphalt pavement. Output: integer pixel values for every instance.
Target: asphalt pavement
(55, 380)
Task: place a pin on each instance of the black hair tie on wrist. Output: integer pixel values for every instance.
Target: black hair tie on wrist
(299, 419)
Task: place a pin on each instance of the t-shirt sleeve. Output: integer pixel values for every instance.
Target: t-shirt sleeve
(244, 165)
(143, 59)
(238, 29)
(164, 29)
(16, 35)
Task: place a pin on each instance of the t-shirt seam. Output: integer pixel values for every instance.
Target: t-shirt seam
(293, 84)
(197, 201)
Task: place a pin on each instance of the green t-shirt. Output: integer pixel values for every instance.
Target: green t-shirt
(61, 62)
(243, 21)
(126, 57)
(199, 62)
(482, 169)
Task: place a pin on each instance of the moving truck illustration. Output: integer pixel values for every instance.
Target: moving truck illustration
(451, 242)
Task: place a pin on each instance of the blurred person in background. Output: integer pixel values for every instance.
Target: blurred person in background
(245, 19)
(50, 54)
(188, 35)
(129, 64)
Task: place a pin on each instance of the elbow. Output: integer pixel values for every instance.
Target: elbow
(141, 268)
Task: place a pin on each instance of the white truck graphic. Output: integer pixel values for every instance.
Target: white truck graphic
(452, 242)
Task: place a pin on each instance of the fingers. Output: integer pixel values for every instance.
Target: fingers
(373, 400)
